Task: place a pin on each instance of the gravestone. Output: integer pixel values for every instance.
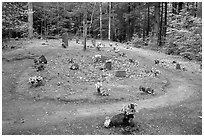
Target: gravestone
(93, 41)
(42, 59)
(65, 40)
(120, 73)
(108, 65)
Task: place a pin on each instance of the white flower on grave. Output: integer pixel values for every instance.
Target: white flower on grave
(107, 122)
(98, 85)
(129, 109)
(35, 80)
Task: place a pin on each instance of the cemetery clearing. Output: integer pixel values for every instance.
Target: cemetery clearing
(68, 103)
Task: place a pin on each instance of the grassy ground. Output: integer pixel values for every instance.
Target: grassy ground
(68, 103)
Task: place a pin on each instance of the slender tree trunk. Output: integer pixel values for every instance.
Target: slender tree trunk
(58, 18)
(199, 10)
(41, 27)
(174, 7)
(30, 19)
(180, 6)
(148, 21)
(165, 19)
(161, 26)
(157, 22)
(85, 27)
(90, 27)
(109, 24)
(101, 20)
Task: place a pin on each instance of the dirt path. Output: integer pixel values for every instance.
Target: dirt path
(22, 115)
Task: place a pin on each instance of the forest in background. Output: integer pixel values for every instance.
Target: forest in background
(175, 27)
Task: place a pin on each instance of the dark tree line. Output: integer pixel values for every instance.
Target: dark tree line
(116, 21)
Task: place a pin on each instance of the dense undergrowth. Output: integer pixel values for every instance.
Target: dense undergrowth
(184, 37)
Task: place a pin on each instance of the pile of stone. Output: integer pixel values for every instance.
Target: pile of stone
(124, 118)
(40, 62)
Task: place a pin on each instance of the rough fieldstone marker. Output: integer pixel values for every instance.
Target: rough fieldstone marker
(120, 73)
(65, 40)
(93, 41)
(108, 65)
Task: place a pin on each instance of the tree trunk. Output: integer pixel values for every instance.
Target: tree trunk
(161, 25)
(157, 22)
(174, 7)
(148, 21)
(180, 6)
(30, 19)
(85, 27)
(101, 20)
(90, 27)
(199, 10)
(165, 20)
(109, 24)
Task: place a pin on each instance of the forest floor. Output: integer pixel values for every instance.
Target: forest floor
(68, 102)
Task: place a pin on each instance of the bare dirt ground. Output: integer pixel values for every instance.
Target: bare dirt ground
(68, 104)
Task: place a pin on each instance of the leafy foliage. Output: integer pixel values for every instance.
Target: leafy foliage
(14, 18)
(184, 35)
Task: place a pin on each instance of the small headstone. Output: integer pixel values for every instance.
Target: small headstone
(120, 73)
(108, 65)
(65, 40)
(93, 41)
(178, 66)
(42, 59)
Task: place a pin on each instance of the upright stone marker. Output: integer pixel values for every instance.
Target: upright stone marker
(108, 65)
(65, 40)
